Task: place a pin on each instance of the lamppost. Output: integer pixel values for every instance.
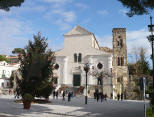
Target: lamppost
(86, 68)
(151, 39)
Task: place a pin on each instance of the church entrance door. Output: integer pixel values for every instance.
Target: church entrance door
(76, 79)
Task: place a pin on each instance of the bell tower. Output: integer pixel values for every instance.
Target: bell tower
(120, 70)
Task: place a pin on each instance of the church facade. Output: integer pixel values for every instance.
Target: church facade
(108, 71)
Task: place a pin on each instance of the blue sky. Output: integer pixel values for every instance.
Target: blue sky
(53, 18)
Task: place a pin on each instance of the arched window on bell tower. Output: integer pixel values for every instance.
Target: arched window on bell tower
(75, 57)
(119, 42)
(80, 57)
(118, 61)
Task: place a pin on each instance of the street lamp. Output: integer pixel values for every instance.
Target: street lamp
(151, 39)
(86, 69)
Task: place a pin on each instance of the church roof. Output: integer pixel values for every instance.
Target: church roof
(78, 30)
(106, 49)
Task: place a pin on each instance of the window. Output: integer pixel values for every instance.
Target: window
(120, 79)
(120, 61)
(99, 66)
(75, 57)
(56, 66)
(80, 57)
(99, 81)
(119, 42)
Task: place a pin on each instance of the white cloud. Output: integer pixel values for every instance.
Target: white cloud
(123, 12)
(33, 8)
(138, 38)
(104, 41)
(12, 33)
(63, 25)
(83, 6)
(68, 16)
(135, 38)
(103, 12)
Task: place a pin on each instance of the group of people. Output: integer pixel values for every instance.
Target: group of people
(55, 94)
(120, 96)
(97, 95)
(64, 93)
(100, 95)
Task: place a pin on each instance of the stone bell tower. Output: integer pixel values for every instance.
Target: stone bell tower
(120, 70)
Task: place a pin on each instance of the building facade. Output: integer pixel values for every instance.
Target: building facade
(81, 47)
(5, 73)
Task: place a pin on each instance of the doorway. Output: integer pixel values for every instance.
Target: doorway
(76, 79)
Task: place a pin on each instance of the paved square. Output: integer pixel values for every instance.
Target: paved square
(74, 108)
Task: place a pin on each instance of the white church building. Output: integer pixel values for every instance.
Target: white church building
(81, 47)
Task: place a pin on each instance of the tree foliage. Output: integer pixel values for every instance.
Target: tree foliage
(3, 58)
(138, 7)
(6, 4)
(17, 51)
(141, 67)
(36, 68)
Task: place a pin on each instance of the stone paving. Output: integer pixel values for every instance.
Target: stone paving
(74, 108)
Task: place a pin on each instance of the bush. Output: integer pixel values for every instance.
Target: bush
(149, 112)
(28, 97)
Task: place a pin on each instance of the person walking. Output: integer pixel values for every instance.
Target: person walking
(69, 96)
(105, 96)
(63, 94)
(54, 93)
(111, 97)
(118, 96)
(121, 96)
(102, 96)
(97, 96)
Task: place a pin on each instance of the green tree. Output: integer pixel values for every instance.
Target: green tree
(3, 58)
(36, 68)
(6, 4)
(141, 67)
(17, 51)
(138, 7)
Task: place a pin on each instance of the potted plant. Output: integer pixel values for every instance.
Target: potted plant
(27, 99)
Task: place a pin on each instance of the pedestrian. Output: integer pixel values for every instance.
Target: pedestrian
(121, 96)
(69, 96)
(105, 96)
(97, 96)
(9, 91)
(54, 93)
(118, 96)
(63, 94)
(111, 97)
(102, 96)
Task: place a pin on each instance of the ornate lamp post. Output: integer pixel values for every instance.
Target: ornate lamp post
(86, 68)
(151, 39)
